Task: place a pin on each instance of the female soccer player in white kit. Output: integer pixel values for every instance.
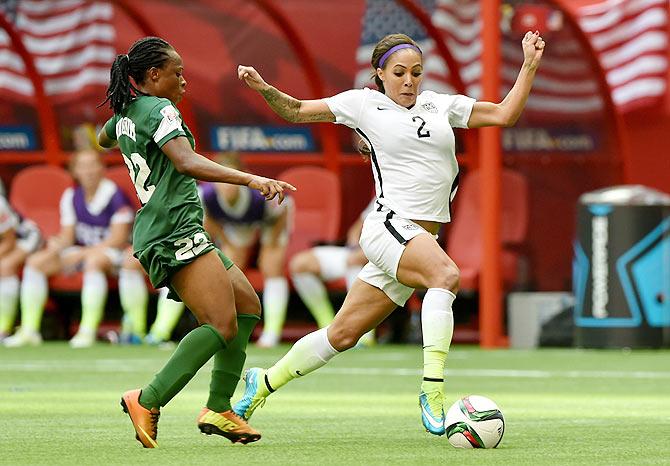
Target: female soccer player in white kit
(415, 169)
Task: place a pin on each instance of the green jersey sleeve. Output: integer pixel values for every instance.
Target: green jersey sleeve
(165, 123)
(110, 128)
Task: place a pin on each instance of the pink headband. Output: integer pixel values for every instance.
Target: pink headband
(394, 49)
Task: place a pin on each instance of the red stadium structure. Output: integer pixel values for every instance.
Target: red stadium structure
(613, 163)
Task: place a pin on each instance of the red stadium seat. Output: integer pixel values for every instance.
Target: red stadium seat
(465, 233)
(36, 193)
(318, 207)
(119, 175)
(317, 214)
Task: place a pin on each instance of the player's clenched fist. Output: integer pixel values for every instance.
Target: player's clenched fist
(251, 77)
(533, 47)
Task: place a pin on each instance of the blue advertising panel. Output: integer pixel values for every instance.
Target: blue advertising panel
(262, 138)
(19, 137)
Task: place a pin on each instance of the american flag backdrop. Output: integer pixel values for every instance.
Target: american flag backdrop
(72, 43)
(384, 17)
(629, 37)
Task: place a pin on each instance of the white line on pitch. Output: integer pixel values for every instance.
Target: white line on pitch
(142, 365)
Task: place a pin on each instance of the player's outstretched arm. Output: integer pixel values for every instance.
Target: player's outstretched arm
(507, 112)
(197, 166)
(287, 107)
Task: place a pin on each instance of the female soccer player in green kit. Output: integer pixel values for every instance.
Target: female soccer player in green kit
(171, 243)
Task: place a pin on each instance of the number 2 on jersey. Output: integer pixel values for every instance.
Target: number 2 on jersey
(425, 134)
(139, 172)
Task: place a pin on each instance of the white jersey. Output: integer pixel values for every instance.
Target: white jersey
(413, 151)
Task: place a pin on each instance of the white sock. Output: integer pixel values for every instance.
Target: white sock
(352, 274)
(275, 302)
(9, 300)
(307, 354)
(437, 323)
(93, 298)
(134, 296)
(314, 294)
(167, 315)
(34, 293)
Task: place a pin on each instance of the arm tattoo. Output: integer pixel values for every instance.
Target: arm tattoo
(283, 105)
(289, 107)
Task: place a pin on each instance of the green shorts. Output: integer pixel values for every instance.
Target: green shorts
(164, 258)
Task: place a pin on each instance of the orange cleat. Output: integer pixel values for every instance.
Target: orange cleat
(144, 421)
(227, 424)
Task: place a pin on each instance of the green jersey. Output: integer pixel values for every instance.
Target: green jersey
(168, 231)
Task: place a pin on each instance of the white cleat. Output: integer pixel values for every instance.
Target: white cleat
(23, 338)
(268, 340)
(83, 339)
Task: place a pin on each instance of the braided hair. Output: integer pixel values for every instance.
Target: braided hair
(146, 53)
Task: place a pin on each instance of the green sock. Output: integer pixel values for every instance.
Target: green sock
(195, 349)
(228, 365)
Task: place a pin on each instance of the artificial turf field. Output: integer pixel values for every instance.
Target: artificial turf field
(60, 406)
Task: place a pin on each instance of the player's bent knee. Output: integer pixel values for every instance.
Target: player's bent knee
(130, 263)
(446, 276)
(342, 338)
(95, 262)
(303, 262)
(296, 264)
(227, 329)
(37, 262)
(254, 306)
(8, 268)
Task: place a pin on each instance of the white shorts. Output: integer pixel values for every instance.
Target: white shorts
(383, 241)
(115, 256)
(332, 261)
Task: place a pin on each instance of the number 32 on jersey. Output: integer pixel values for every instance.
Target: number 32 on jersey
(139, 173)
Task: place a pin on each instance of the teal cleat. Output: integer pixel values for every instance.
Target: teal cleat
(432, 411)
(255, 393)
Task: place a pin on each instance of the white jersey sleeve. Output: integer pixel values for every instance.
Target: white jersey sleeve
(457, 108)
(68, 217)
(347, 106)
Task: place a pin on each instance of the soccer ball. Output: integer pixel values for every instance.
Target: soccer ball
(474, 422)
